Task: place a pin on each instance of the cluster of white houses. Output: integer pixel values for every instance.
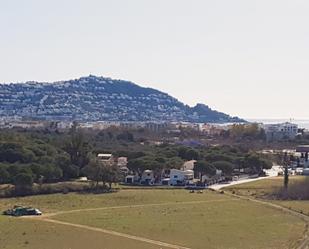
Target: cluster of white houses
(102, 125)
(171, 177)
(147, 177)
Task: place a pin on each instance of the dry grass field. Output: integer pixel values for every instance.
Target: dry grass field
(133, 219)
(264, 188)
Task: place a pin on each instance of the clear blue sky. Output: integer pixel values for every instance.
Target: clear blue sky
(245, 57)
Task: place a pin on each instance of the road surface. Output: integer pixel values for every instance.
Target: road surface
(270, 173)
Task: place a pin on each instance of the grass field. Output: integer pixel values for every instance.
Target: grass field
(197, 221)
(264, 188)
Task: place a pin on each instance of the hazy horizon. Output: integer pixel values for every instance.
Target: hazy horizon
(244, 58)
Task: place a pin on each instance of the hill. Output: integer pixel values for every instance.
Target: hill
(99, 99)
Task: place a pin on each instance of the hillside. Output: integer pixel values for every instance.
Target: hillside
(96, 98)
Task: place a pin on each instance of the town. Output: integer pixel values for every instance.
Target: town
(154, 124)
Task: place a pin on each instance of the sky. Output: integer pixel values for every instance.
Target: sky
(248, 58)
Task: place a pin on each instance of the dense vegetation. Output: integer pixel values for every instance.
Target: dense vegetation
(28, 157)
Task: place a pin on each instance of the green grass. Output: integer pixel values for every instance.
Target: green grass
(60, 202)
(263, 189)
(229, 224)
(299, 206)
(16, 233)
(215, 221)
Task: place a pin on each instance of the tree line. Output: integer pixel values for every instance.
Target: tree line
(37, 157)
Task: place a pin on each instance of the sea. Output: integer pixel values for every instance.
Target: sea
(302, 123)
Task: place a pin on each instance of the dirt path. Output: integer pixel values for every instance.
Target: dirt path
(302, 244)
(128, 206)
(47, 218)
(150, 241)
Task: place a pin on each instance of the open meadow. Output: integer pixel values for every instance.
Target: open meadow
(264, 189)
(148, 219)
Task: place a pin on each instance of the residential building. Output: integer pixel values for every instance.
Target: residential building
(181, 177)
(189, 165)
(122, 162)
(147, 177)
(280, 131)
(105, 157)
(132, 179)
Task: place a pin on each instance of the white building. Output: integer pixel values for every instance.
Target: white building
(122, 162)
(62, 125)
(148, 177)
(280, 131)
(181, 177)
(105, 157)
(131, 179)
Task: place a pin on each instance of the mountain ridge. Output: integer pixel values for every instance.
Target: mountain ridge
(95, 98)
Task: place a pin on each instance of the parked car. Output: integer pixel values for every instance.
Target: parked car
(22, 211)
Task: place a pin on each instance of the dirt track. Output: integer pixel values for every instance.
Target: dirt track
(302, 244)
(47, 218)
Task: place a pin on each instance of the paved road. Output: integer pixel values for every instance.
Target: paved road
(271, 173)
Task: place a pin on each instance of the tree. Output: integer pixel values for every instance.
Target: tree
(102, 171)
(111, 174)
(174, 163)
(240, 162)
(188, 153)
(226, 167)
(203, 168)
(125, 136)
(192, 155)
(286, 171)
(252, 161)
(77, 148)
(51, 173)
(69, 170)
(249, 131)
(4, 176)
(218, 156)
(93, 171)
(256, 163)
(286, 178)
(23, 183)
(265, 164)
(137, 164)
